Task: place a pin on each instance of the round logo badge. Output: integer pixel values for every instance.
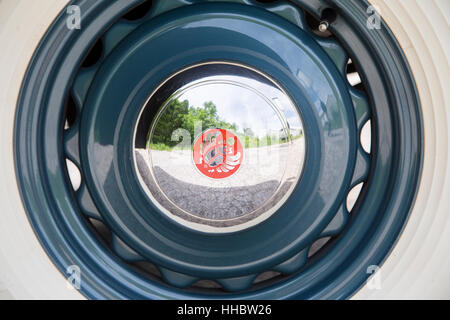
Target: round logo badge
(217, 153)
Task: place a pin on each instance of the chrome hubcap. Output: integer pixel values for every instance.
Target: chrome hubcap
(225, 149)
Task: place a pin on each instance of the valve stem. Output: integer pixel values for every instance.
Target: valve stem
(323, 26)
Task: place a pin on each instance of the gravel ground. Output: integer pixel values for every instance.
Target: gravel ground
(247, 190)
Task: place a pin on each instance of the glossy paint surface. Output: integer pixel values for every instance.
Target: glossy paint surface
(250, 39)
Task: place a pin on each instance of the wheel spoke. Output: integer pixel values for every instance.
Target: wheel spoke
(237, 284)
(362, 167)
(335, 51)
(288, 11)
(362, 110)
(177, 279)
(81, 85)
(124, 251)
(86, 204)
(161, 6)
(337, 224)
(293, 264)
(116, 33)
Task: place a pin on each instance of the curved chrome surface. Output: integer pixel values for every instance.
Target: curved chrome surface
(219, 147)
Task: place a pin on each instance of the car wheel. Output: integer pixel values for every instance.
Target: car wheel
(98, 202)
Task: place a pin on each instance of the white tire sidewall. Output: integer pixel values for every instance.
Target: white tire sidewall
(25, 269)
(419, 265)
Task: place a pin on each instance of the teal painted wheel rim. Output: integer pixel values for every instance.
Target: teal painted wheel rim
(390, 173)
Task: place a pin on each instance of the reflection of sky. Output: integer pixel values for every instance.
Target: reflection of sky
(243, 106)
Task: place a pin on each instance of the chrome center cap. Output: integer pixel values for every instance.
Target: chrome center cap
(219, 147)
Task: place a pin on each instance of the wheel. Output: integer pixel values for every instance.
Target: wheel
(321, 154)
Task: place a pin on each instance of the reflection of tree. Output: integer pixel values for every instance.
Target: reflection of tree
(171, 119)
(207, 116)
(180, 115)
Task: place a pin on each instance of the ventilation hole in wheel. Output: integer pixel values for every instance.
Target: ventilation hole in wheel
(139, 11)
(266, 276)
(352, 74)
(320, 26)
(206, 284)
(366, 136)
(102, 230)
(329, 15)
(94, 55)
(353, 196)
(74, 174)
(317, 246)
(71, 112)
(148, 268)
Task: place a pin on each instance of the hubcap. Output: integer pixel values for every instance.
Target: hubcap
(224, 150)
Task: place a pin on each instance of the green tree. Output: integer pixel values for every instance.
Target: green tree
(171, 119)
(208, 118)
(182, 115)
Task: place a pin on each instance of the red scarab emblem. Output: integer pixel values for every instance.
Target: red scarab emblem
(217, 153)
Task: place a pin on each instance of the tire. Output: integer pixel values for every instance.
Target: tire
(418, 266)
(26, 270)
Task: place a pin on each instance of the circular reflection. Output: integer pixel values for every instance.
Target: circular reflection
(219, 147)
